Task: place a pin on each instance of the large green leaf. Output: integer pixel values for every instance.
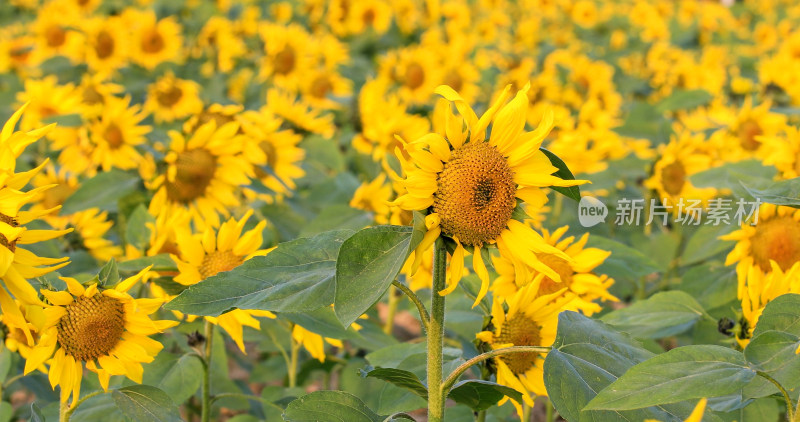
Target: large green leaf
(729, 175)
(322, 321)
(625, 261)
(684, 100)
(775, 341)
(136, 231)
(337, 217)
(705, 242)
(400, 378)
(481, 395)
(368, 262)
(36, 414)
(183, 379)
(572, 192)
(661, 315)
(684, 373)
(102, 191)
(784, 192)
(297, 276)
(587, 356)
(329, 406)
(160, 262)
(144, 403)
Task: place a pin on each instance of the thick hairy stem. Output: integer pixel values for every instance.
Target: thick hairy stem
(453, 377)
(205, 410)
(435, 334)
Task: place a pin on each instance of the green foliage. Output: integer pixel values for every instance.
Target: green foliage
(367, 264)
(330, 406)
(481, 395)
(661, 315)
(775, 340)
(297, 276)
(146, 404)
(102, 191)
(571, 192)
(398, 377)
(684, 100)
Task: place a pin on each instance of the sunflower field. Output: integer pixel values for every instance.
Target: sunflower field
(400, 210)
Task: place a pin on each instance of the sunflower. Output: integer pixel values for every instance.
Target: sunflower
(16, 45)
(415, 70)
(685, 155)
(207, 254)
(760, 289)
(89, 228)
(384, 115)
(275, 152)
(16, 263)
(219, 113)
(313, 342)
(577, 275)
(320, 87)
(374, 15)
(299, 113)
(530, 320)
(154, 41)
(55, 33)
(287, 54)
(743, 138)
(105, 328)
(107, 44)
(95, 91)
(219, 39)
(784, 152)
(469, 186)
(170, 98)
(202, 175)
(47, 99)
(61, 185)
(774, 238)
(116, 134)
(374, 197)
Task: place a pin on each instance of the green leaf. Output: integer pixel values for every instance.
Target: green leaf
(572, 192)
(329, 406)
(297, 276)
(730, 174)
(705, 243)
(109, 274)
(784, 192)
(367, 263)
(661, 315)
(136, 231)
(775, 340)
(36, 414)
(183, 379)
(5, 363)
(587, 356)
(645, 121)
(160, 262)
(144, 403)
(101, 191)
(481, 395)
(322, 321)
(684, 100)
(625, 262)
(337, 217)
(684, 373)
(398, 377)
(65, 120)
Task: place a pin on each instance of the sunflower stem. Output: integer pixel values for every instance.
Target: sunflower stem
(63, 415)
(65, 412)
(435, 334)
(789, 413)
(453, 377)
(394, 300)
(295, 352)
(423, 313)
(205, 410)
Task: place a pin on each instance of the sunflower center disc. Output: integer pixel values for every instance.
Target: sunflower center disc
(747, 135)
(196, 169)
(519, 331)
(285, 61)
(169, 97)
(153, 42)
(55, 36)
(217, 262)
(673, 177)
(476, 194)
(777, 239)
(560, 266)
(114, 136)
(104, 46)
(415, 75)
(91, 327)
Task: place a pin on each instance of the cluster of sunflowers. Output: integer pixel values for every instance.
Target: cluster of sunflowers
(171, 141)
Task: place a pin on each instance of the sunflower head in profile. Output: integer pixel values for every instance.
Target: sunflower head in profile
(774, 240)
(760, 289)
(529, 319)
(202, 174)
(469, 186)
(105, 328)
(206, 254)
(17, 263)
